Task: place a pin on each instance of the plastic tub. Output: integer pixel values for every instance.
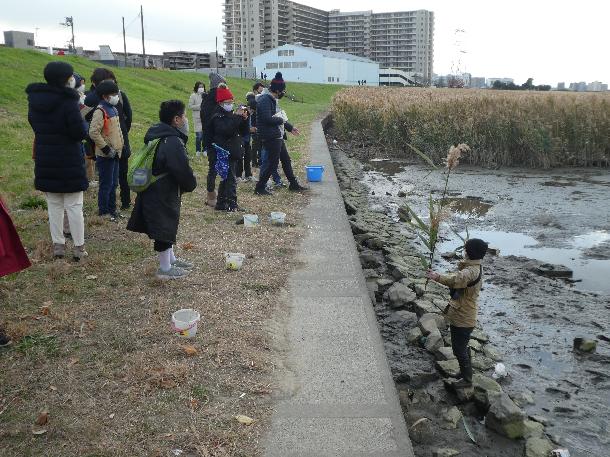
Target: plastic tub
(250, 220)
(277, 218)
(234, 260)
(314, 172)
(184, 322)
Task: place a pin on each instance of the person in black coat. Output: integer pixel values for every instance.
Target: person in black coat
(208, 108)
(125, 117)
(59, 162)
(251, 97)
(156, 211)
(229, 131)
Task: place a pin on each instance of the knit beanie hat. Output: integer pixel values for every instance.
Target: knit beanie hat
(57, 73)
(476, 249)
(106, 88)
(277, 83)
(222, 94)
(215, 80)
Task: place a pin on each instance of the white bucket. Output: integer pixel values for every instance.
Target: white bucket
(184, 322)
(277, 218)
(250, 220)
(234, 260)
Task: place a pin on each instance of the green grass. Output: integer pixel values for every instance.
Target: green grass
(146, 90)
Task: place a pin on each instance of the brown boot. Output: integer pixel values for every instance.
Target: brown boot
(211, 200)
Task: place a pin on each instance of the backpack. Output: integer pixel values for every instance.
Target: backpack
(139, 174)
(457, 293)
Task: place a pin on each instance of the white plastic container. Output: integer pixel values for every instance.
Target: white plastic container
(184, 322)
(250, 220)
(277, 218)
(234, 260)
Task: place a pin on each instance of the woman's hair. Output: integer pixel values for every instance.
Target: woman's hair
(197, 84)
(170, 109)
(257, 85)
(101, 74)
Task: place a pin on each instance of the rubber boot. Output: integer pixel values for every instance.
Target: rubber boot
(466, 374)
(211, 200)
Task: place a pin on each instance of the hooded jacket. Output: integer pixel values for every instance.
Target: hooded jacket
(59, 162)
(208, 106)
(156, 211)
(463, 311)
(269, 126)
(229, 132)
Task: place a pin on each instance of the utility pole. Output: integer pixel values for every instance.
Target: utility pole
(216, 54)
(143, 48)
(70, 23)
(124, 43)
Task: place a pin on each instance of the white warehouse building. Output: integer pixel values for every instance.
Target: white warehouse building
(310, 65)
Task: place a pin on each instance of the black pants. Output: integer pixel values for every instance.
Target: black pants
(244, 165)
(125, 192)
(276, 150)
(211, 183)
(227, 190)
(459, 343)
(256, 151)
(161, 246)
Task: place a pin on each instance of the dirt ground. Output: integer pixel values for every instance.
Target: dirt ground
(94, 359)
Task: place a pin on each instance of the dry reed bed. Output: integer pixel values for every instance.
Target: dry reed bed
(503, 128)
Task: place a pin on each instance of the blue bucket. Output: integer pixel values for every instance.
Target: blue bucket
(314, 173)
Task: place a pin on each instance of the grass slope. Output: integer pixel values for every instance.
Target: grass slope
(145, 88)
(92, 341)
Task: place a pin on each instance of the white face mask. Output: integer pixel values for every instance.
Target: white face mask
(113, 100)
(200, 90)
(71, 82)
(227, 106)
(184, 128)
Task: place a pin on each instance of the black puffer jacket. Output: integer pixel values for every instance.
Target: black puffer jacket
(125, 115)
(229, 130)
(157, 210)
(59, 162)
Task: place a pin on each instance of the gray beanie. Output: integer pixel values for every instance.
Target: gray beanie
(215, 80)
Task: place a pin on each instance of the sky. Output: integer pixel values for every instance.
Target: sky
(547, 40)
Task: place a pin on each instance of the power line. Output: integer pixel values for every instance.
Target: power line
(174, 41)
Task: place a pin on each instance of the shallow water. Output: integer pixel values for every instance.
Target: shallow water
(557, 217)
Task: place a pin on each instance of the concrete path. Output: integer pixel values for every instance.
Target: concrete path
(344, 402)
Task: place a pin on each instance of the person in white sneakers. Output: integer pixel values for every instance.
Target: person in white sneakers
(156, 211)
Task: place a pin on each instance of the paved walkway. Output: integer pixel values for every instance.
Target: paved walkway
(344, 402)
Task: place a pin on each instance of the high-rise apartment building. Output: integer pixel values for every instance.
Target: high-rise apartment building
(252, 27)
(401, 40)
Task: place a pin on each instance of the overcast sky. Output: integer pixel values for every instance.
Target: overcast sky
(548, 40)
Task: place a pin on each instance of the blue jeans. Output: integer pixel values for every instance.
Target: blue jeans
(274, 174)
(198, 141)
(108, 170)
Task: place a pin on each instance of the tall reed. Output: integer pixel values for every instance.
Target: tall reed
(503, 128)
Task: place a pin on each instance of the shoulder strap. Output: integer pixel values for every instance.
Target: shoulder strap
(472, 283)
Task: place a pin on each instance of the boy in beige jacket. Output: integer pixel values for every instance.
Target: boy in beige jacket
(464, 286)
(105, 131)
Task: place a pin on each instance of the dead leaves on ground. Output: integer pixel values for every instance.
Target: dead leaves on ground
(189, 350)
(244, 419)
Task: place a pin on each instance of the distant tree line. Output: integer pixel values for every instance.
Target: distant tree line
(527, 85)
